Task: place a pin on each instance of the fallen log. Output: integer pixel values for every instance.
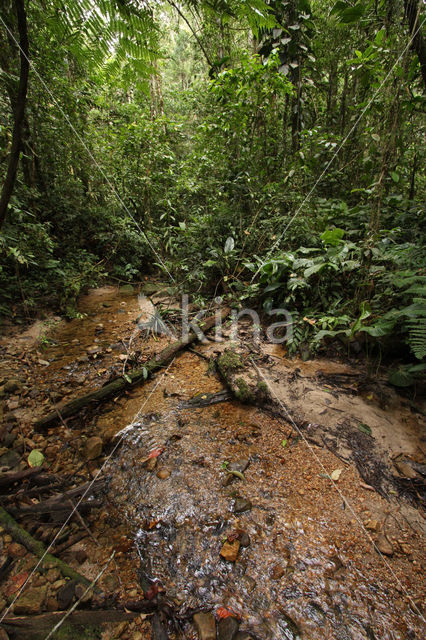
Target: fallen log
(53, 507)
(7, 479)
(35, 627)
(207, 399)
(120, 384)
(37, 548)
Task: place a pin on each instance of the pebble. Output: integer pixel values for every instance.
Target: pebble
(163, 474)
(150, 464)
(16, 550)
(58, 584)
(249, 583)
(227, 628)
(244, 539)
(241, 505)
(277, 572)
(205, 625)
(93, 448)
(65, 595)
(30, 602)
(52, 604)
(230, 550)
(12, 386)
(80, 555)
(238, 465)
(81, 593)
(384, 546)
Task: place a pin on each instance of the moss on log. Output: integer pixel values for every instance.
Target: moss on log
(37, 548)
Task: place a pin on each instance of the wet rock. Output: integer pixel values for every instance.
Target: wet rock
(249, 583)
(111, 582)
(230, 550)
(9, 439)
(238, 465)
(12, 386)
(53, 575)
(405, 469)
(244, 539)
(16, 550)
(163, 474)
(58, 584)
(52, 604)
(384, 546)
(372, 525)
(30, 602)
(65, 595)
(109, 433)
(150, 464)
(93, 448)
(205, 625)
(241, 505)
(80, 555)
(227, 628)
(93, 351)
(277, 572)
(10, 459)
(292, 629)
(81, 593)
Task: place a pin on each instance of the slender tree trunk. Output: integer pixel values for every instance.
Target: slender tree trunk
(19, 111)
(412, 13)
(331, 95)
(343, 105)
(413, 178)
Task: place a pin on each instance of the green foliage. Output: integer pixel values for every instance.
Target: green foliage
(268, 152)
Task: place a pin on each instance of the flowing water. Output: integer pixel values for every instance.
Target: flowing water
(310, 570)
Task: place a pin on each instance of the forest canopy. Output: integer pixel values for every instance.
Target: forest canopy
(266, 151)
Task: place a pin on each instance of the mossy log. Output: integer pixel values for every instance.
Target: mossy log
(120, 384)
(79, 625)
(37, 548)
(233, 371)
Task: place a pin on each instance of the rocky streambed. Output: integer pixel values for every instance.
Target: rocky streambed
(243, 526)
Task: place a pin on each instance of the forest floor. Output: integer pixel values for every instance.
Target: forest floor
(310, 527)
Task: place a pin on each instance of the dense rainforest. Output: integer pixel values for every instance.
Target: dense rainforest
(212, 319)
(269, 152)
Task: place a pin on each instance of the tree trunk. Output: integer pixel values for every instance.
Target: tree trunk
(19, 111)
(412, 13)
